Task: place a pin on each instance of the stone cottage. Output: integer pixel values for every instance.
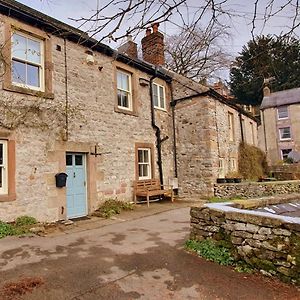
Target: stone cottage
(280, 124)
(105, 118)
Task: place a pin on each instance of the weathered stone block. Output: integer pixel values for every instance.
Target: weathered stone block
(279, 231)
(252, 228)
(264, 231)
(240, 226)
(242, 234)
(260, 237)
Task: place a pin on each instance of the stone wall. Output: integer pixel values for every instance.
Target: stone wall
(286, 171)
(266, 242)
(255, 189)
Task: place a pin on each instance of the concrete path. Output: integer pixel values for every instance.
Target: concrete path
(137, 259)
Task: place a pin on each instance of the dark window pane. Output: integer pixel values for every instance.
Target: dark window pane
(145, 170)
(33, 76)
(69, 160)
(78, 160)
(1, 154)
(140, 156)
(18, 72)
(140, 170)
(1, 177)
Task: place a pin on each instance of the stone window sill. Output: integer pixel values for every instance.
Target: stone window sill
(8, 198)
(125, 111)
(27, 91)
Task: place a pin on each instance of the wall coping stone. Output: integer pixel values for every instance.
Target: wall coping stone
(236, 213)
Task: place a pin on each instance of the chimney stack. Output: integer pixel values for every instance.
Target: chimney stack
(129, 48)
(266, 91)
(153, 46)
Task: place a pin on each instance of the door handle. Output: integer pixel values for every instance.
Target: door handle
(74, 175)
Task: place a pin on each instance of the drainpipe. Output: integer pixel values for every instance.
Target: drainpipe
(66, 92)
(157, 131)
(174, 132)
(265, 136)
(241, 124)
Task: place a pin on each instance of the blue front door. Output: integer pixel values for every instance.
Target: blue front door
(76, 185)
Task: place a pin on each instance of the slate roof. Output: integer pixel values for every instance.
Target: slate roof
(281, 98)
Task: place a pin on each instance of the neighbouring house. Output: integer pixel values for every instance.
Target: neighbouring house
(104, 117)
(279, 132)
(209, 130)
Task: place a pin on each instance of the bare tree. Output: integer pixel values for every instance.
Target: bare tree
(196, 53)
(112, 16)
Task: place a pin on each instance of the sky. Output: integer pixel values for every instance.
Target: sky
(240, 24)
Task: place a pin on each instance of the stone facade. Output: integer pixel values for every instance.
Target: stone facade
(266, 242)
(205, 150)
(94, 124)
(255, 189)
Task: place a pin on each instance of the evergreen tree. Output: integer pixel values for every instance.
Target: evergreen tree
(263, 58)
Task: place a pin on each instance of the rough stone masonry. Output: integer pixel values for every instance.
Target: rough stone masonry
(266, 242)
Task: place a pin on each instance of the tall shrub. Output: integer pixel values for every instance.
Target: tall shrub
(252, 162)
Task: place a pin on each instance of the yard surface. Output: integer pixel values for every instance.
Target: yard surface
(134, 259)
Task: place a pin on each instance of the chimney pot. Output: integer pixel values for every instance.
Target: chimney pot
(148, 31)
(155, 27)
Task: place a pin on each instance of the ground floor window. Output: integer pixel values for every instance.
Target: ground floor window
(144, 163)
(285, 153)
(3, 167)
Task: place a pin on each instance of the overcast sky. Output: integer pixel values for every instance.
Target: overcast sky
(240, 26)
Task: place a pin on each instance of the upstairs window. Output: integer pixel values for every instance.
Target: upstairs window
(27, 61)
(285, 133)
(282, 112)
(124, 90)
(3, 167)
(159, 96)
(231, 127)
(144, 163)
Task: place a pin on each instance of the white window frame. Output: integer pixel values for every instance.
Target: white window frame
(41, 66)
(159, 106)
(4, 167)
(129, 92)
(231, 126)
(281, 152)
(281, 131)
(278, 113)
(149, 164)
(232, 164)
(221, 167)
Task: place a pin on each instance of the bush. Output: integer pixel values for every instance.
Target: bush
(21, 226)
(252, 162)
(6, 229)
(112, 207)
(25, 220)
(209, 250)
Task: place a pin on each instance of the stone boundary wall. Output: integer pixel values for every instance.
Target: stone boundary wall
(255, 189)
(266, 242)
(286, 171)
